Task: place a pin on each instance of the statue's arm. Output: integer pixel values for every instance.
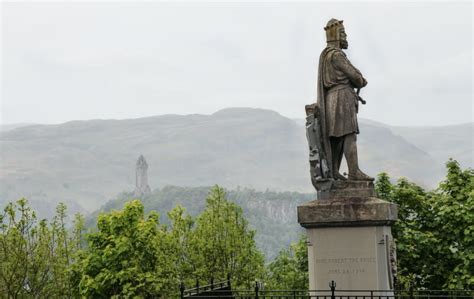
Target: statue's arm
(341, 62)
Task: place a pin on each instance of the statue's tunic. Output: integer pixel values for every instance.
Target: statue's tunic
(340, 78)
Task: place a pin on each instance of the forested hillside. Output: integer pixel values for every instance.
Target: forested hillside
(271, 214)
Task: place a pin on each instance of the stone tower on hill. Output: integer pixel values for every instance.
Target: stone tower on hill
(141, 179)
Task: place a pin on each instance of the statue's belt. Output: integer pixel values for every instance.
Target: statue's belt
(339, 87)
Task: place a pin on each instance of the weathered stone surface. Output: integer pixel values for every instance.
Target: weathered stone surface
(348, 189)
(347, 212)
(350, 242)
(356, 258)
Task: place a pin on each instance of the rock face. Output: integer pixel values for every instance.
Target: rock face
(141, 179)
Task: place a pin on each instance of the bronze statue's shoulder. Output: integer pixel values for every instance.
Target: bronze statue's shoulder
(329, 53)
(338, 53)
(331, 50)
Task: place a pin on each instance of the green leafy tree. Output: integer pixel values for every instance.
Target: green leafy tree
(184, 257)
(434, 233)
(35, 255)
(77, 244)
(19, 240)
(62, 251)
(289, 270)
(259, 208)
(224, 242)
(453, 226)
(127, 257)
(133, 255)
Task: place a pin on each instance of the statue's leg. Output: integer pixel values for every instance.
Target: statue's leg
(340, 154)
(350, 152)
(337, 146)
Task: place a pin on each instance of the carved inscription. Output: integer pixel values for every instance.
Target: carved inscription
(346, 265)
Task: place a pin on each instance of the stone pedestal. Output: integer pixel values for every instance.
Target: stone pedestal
(349, 240)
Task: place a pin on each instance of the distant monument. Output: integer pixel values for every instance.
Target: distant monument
(141, 177)
(348, 228)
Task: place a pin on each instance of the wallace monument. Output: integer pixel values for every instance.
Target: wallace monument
(348, 228)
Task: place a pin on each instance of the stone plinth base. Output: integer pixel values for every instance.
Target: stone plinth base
(348, 189)
(347, 212)
(350, 242)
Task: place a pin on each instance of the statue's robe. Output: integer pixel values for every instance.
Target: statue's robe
(337, 101)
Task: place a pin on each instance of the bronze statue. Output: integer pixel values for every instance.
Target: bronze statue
(332, 122)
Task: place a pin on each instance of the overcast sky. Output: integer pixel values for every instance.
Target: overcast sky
(65, 61)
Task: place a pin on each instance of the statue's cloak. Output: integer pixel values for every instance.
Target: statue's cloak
(321, 109)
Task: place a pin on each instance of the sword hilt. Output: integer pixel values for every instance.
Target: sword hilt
(359, 97)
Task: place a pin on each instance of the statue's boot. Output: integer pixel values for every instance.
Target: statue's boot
(358, 175)
(350, 152)
(338, 176)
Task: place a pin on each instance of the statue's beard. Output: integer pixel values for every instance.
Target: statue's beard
(344, 44)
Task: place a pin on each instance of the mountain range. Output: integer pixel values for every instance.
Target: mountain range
(87, 163)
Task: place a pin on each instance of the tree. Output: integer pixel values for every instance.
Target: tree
(453, 226)
(184, 257)
(134, 255)
(35, 255)
(225, 243)
(127, 256)
(434, 233)
(289, 270)
(19, 241)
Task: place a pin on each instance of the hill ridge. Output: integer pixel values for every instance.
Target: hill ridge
(89, 162)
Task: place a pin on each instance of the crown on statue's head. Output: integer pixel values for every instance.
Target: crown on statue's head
(333, 22)
(332, 30)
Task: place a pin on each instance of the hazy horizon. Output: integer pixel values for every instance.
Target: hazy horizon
(65, 61)
(184, 114)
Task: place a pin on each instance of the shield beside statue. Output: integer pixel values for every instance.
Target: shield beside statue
(319, 170)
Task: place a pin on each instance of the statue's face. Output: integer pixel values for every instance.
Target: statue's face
(343, 38)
